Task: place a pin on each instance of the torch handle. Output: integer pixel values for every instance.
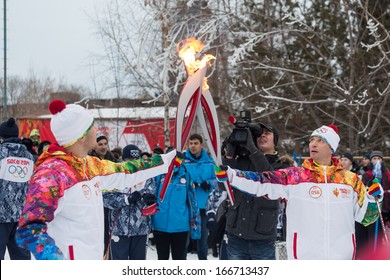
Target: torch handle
(229, 190)
(382, 222)
(167, 178)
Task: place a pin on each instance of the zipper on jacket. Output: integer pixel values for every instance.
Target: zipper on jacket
(167, 199)
(84, 164)
(169, 207)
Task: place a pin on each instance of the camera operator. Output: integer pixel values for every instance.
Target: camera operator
(251, 223)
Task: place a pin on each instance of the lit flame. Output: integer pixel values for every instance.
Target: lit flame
(205, 86)
(187, 49)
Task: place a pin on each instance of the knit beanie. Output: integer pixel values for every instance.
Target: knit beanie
(376, 154)
(329, 134)
(9, 129)
(131, 152)
(34, 132)
(367, 155)
(348, 156)
(273, 130)
(69, 122)
(158, 150)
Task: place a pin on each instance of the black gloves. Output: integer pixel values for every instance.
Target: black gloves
(149, 199)
(223, 167)
(250, 145)
(134, 197)
(205, 186)
(179, 155)
(230, 150)
(211, 222)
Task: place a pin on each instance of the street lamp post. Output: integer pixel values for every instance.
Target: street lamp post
(5, 63)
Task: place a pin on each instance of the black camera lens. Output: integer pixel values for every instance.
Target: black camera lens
(239, 135)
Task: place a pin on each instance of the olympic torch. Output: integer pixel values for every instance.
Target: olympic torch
(196, 101)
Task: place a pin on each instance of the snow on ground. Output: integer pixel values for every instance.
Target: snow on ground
(152, 254)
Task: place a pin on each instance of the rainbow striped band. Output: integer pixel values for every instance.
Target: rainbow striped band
(177, 162)
(85, 133)
(374, 189)
(220, 174)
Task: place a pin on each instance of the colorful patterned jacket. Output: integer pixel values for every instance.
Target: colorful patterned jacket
(323, 203)
(125, 219)
(63, 214)
(16, 168)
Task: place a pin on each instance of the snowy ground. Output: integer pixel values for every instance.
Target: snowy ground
(152, 254)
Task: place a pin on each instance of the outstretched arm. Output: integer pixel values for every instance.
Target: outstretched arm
(273, 184)
(122, 175)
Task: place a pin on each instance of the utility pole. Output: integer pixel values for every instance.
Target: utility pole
(5, 63)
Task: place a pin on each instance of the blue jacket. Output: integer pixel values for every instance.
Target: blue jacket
(178, 212)
(16, 168)
(201, 169)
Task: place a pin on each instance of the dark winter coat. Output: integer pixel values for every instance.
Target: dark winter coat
(254, 218)
(127, 220)
(108, 156)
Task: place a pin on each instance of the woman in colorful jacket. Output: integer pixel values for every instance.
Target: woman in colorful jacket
(324, 200)
(63, 214)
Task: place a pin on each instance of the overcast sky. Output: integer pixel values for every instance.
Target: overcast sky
(51, 38)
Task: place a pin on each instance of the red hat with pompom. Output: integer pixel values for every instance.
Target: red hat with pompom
(329, 134)
(69, 122)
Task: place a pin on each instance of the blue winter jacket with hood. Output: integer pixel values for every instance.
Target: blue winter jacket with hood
(201, 169)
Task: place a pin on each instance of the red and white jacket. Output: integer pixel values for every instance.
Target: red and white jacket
(323, 204)
(63, 214)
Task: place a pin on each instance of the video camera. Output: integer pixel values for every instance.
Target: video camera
(239, 135)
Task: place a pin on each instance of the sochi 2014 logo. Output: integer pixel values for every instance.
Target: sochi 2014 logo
(315, 192)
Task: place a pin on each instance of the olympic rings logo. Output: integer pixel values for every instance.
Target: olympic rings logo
(18, 171)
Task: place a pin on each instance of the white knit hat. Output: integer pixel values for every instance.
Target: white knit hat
(69, 122)
(329, 134)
